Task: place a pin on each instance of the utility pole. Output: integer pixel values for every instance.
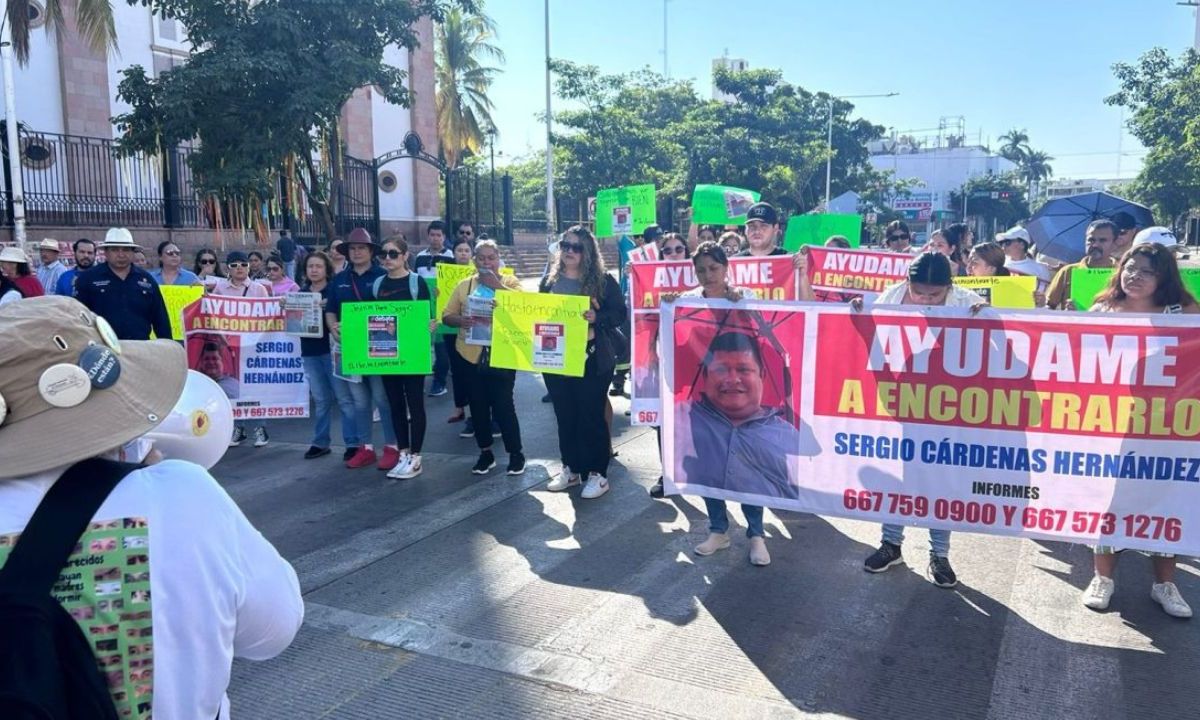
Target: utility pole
(16, 191)
(550, 225)
(666, 46)
(1194, 4)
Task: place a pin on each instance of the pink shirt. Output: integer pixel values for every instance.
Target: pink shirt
(284, 286)
(252, 289)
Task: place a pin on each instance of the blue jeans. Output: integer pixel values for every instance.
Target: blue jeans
(367, 395)
(939, 540)
(319, 370)
(718, 519)
(441, 363)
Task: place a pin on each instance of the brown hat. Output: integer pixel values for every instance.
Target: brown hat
(70, 390)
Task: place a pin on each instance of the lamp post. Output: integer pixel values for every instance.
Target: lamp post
(829, 138)
(550, 227)
(16, 193)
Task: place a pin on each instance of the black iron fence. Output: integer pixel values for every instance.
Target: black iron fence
(70, 180)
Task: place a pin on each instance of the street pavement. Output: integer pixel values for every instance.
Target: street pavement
(455, 596)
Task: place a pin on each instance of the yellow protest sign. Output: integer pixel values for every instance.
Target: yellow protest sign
(449, 275)
(1010, 291)
(177, 297)
(540, 333)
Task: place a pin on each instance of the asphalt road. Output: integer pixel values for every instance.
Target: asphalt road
(451, 596)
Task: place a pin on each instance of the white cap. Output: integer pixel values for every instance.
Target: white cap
(1015, 233)
(1157, 235)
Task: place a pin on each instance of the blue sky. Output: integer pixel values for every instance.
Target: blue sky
(1044, 65)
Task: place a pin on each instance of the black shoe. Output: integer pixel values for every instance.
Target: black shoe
(349, 453)
(616, 391)
(315, 452)
(886, 556)
(486, 462)
(468, 429)
(656, 490)
(496, 429)
(940, 572)
(516, 464)
(546, 397)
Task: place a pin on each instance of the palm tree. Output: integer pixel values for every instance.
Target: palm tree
(93, 18)
(462, 44)
(1036, 166)
(1016, 145)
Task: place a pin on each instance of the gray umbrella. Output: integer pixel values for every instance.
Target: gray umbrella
(1059, 228)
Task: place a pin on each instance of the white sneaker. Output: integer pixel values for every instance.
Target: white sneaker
(596, 486)
(238, 437)
(1099, 592)
(260, 436)
(414, 467)
(564, 480)
(400, 469)
(1173, 604)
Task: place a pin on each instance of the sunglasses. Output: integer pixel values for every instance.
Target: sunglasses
(676, 250)
(465, 232)
(895, 238)
(238, 265)
(392, 254)
(570, 247)
(208, 261)
(274, 268)
(170, 252)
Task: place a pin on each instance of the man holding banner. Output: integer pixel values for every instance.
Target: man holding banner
(491, 387)
(762, 231)
(1101, 236)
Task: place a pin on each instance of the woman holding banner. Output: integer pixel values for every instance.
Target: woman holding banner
(317, 357)
(491, 388)
(1146, 280)
(712, 272)
(579, 403)
(239, 284)
(461, 371)
(405, 393)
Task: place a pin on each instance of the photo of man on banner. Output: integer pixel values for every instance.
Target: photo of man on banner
(735, 419)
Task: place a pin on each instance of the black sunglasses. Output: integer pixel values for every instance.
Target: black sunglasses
(570, 247)
(894, 238)
(208, 261)
(392, 254)
(465, 232)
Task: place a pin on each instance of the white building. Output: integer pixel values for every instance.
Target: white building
(1066, 187)
(66, 96)
(731, 64)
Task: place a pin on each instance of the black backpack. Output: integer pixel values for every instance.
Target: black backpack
(48, 670)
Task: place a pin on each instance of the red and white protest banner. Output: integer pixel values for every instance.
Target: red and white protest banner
(837, 275)
(771, 278)
(241, 344)
(1009, 423)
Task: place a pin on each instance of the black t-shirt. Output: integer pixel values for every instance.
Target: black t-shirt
(776, 251)
(400, 289)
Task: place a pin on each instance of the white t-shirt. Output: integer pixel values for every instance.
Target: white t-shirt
(957, 297)
(1029, 266)
(10, 296)
(170, 584)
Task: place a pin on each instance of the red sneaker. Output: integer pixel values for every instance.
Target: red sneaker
(391, 456)
(363, 458)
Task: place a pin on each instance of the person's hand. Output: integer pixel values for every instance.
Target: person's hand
(977, 308)
(1039, 299)
(732, 295)
(1069, 304)
(153, 457)
(490, 280)
(800, 260)
(856, 303)
(433, 326)
(668, 297)
(589, 315)
(335, 331)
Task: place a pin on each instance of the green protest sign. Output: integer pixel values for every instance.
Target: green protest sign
(540, 333)
(1087, 283)
(449, 275)
(386, 338)
(625, 210)
(816, 229)
(721, 204)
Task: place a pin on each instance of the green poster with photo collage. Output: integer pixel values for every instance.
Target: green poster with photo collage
(105, 586)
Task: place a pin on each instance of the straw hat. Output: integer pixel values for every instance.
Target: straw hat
(70, 390)
(13, 254)
(49, 244)
(118, 238)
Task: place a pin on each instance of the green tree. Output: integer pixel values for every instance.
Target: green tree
(1035, 167)
(463, 44)
(266, 85)
(93, 19)
(1015, 145)
(1009, 207)
(1163, 97)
